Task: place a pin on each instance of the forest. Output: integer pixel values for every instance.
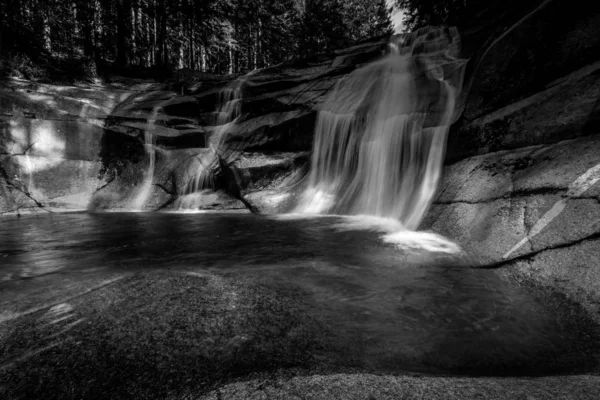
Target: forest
(57, 40)
(81, 38)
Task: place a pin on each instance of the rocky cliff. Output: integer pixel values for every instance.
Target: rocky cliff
(83, 147)
(522, 189)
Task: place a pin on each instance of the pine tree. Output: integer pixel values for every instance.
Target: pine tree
(221, 36)
(419, 13)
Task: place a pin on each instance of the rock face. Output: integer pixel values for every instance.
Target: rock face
(78, 148)
(366, 386)
(196, 334)
(534, 211)
(50, 139)
(521, 189)
(533, 81)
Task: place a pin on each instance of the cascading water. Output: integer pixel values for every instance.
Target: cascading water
(149, 145)
(381, 133)
(229, 109)
(230, 100)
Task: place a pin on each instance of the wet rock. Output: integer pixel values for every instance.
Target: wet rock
(157, 335)
(544, 42)
(52, 142)
(571, 269)
(192, 332)
(532, 77)
(515, 209)
(270, 181)
(275, 129)
(366, 386)
(208, 200)
(564, 109)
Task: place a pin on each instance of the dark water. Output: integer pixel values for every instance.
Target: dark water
(352, 300)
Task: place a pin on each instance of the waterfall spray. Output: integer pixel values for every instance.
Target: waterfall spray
(381, 133)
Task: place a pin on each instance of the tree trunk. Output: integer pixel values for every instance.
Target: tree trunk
(230, 69)
(191, 61)
(154, 42)
(134, 33)
(87, 18)
(249, 50)
(122, 32)
(162, 32)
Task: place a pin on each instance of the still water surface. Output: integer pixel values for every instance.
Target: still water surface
(381, 308)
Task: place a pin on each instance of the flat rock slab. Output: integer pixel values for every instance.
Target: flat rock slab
(505, 205)
(145, 336)
(377, 387)
(158, 334)
(534, 210)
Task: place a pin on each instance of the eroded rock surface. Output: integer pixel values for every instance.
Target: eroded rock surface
(108, 131)
(534, 211)
(365, 386)
(521, 190)
(50, 142)
(533, 77)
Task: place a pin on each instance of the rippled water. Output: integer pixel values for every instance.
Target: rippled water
(377, 307)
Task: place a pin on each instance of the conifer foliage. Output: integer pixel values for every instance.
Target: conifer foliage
(419, 13)
(215, 36)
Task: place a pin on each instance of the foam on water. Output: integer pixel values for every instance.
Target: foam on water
(393, 232)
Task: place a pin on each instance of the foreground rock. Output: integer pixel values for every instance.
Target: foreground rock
(364, 386)
(533, 212)
(188, 332)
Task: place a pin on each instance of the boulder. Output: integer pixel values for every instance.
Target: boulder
(533, 77)
(521, 209)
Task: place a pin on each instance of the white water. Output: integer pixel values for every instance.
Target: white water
(145, 189)
(380, 141)
(230, 107)
(381, 133)
(228, 111)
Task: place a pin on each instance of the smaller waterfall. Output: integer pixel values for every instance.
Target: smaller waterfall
(30, 172)
(149, 145)
(230, 101)
(203, 179)
(228, 111)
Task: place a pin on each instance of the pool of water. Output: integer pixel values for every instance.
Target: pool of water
(236, 293)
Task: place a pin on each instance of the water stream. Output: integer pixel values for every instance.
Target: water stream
(229, 109)
(144, 191)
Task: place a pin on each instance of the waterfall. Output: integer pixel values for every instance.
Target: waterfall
(230, 107)
(381, 132)
(228, 111)
(149, 145)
